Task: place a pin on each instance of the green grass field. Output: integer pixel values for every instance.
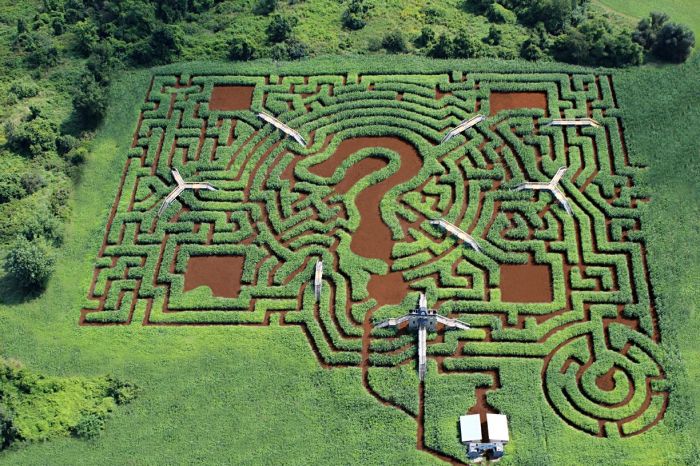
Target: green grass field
(680, 11)
(224, 394)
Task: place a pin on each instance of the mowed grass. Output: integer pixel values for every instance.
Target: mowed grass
(680, 11)
(248, 395)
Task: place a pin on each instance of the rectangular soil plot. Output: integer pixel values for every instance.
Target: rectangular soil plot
(220, 273)
(526, 283)
(231, 98)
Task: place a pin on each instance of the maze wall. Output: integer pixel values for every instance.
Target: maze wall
(280, 207)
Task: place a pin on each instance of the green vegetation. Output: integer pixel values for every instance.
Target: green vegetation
(34, 407)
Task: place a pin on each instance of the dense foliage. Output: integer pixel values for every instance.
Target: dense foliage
(34, 407)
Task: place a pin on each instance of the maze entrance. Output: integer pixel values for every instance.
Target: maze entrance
(572, 291)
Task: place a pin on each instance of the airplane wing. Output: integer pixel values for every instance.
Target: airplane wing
(178, 177)
(558, 175)
(562, 200)
(392, 322)
(452, 323)
(531, 185)
(206, 186)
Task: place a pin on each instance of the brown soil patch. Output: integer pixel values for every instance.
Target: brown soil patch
(231, 97)
(372, 237)
(606, 381)
(526, 283)
(512, 100)
(388, 289)
(220, 273)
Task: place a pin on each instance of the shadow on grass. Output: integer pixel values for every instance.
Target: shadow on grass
(12, 292)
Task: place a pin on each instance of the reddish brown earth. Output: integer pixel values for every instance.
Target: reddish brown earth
(512, 100)
(220, 273)
(231, 97)
(372, 237)
(526, 283)
(388, 289)
(606, 381)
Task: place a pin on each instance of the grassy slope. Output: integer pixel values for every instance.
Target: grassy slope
(662, 114)
(682, 11)
(204, 400)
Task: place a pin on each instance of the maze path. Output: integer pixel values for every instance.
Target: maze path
(374, 141)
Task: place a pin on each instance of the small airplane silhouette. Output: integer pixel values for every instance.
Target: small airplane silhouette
(423, 319)
(552, 187)
(181, 186)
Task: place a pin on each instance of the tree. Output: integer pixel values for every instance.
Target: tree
(466, 46)
(495, 36)
(265, 7)
(280, 28)
(531, 51)
(394, 42)
(163, 45)
(648, 28)
(241, 48)
(355, 15)
(90, 99)
(425, 38)
(86, 36)
(296, 49)
(674, 42)
(442, 48)
(30, 263)
(33, 137)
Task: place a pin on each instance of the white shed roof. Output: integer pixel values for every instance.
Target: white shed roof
(498, 427)
(470, 428)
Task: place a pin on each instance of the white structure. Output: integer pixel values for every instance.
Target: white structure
(552, 187)
(318, 279)
(423, 319)
(181, 186)
(458, 232)
(574, 122)
(281, 126)
(477, 447)
(463, 126)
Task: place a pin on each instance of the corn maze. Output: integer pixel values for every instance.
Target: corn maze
(570, 290)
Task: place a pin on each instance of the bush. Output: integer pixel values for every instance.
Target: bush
(41, 51)
(32, 137)
(674, 42)
(32, 181)
(425, 38)
(494, 37)
(24, 89)
(90, 99)
(30, 263)
(648, 28)
(442, 48)
(531, 51)
(466, 46)
(296, 49)
(241, 48)
(122, 392)
(265, 7)
(162, 46)
(394, 42)
(500, 14)
(86, 36)
(89, 426)
(66, 143)
(355, 15)
(8, 431)
(280, 29)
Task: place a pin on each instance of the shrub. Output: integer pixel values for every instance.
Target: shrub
(41, 51)
(89, 426)
(500, 14)
(648, 28)
(265, 7)
(66, 143)
(122, 391)
(296, 49)
(442, 48)
(86, 36)
(425, 38)
(90, 99)
(242, 48)
(24, 89)
(163, 45)
(466, 46)
(32, 137)
(355, 15)
(280, 28)
(32, 181)
(531, 51)
(494, 37)
(8, 431)
(674, 42)
(394, 42)
(30, 263)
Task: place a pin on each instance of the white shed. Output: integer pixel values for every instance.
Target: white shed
(470, 428)
(498, 427)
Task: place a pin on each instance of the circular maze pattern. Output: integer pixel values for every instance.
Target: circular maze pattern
(359, 197)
